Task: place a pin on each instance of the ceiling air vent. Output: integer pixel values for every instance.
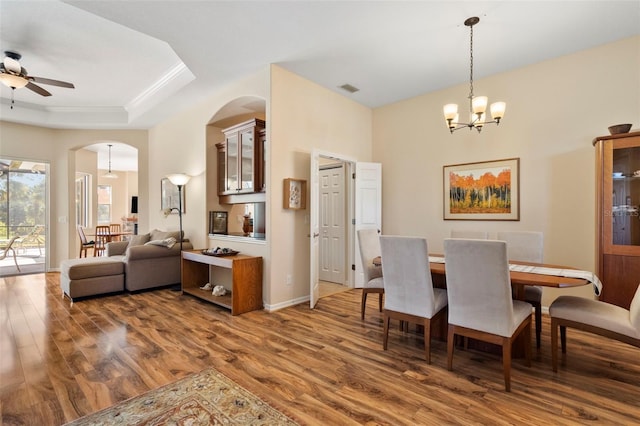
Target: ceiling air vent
(349, 88)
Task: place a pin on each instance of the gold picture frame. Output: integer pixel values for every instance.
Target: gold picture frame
(294, 195)
(487, 190)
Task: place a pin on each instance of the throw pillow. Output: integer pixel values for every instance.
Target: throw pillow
(167, 242)
(138, 240)
(163, 235)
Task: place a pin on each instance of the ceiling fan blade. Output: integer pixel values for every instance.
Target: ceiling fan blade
(39, 90)
(51, 82)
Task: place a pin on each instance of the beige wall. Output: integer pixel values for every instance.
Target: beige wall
(123, 187)
(304, 116)
(58, 148)
(554, 110)
(183, 142)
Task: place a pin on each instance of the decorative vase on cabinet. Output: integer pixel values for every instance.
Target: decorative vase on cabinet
(618, 218)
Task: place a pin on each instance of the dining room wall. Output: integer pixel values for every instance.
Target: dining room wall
(554, 111)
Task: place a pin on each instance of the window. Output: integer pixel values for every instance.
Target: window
(104, 204)
(83, 199)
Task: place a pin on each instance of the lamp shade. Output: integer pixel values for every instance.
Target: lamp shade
(179, 179)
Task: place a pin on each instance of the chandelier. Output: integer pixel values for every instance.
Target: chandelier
(477, 104)
(110, 174)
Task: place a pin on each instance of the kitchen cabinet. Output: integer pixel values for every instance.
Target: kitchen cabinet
(618, 220)
(241, 161)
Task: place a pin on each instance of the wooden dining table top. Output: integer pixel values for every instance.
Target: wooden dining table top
(518, 278)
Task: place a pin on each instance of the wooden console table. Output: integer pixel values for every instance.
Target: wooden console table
(246, 277)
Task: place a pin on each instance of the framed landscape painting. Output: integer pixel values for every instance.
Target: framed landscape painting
(488, 190)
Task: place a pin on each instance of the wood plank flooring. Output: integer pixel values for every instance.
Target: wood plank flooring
(322, 366)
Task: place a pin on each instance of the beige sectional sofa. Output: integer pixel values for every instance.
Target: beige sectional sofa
(147, 263)
(89, 276)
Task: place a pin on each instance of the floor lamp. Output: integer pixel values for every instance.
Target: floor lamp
(179, 180)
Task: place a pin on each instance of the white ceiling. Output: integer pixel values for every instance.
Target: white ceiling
(135, 63)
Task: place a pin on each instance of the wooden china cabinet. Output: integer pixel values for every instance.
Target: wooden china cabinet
(241, 160)
(618, 218)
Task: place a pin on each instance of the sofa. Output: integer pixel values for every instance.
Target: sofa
(150, 260)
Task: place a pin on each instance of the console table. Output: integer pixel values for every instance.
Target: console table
(245, 294)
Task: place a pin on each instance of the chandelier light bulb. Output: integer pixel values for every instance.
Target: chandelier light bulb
(479, 104)
(497, 110)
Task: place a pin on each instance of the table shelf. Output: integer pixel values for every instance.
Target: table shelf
(246, 280)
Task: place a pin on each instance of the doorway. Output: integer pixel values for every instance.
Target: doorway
(24, 207)
(363, 207)
(332, 223)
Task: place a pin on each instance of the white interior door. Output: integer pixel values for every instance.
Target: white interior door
(332, 224)
(314, 229)
(368, 206)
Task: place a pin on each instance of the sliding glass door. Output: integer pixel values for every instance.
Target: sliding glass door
(23, 213)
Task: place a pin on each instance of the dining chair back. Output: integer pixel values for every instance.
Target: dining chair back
(85, 245)
(103, 236)
(8, 247)
(472, 234)
(480, 302)
(115, 229)
(409, 292)
(527, 246)
(593, 316)
(369, 244)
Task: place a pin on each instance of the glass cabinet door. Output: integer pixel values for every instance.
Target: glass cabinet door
(246, 159)
(623, 183)
(232, 163)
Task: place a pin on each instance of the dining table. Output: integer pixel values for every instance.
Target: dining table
(522, 274)
(112, 235)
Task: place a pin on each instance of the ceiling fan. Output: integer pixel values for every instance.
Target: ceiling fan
(13, 75)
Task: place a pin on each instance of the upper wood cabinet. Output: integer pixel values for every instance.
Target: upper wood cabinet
(241, 161)
(618, 233)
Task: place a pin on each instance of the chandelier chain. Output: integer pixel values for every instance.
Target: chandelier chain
(471, 66)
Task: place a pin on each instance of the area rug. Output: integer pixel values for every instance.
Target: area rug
(205, 398)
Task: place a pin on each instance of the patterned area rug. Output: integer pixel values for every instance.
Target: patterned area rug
(205, 398)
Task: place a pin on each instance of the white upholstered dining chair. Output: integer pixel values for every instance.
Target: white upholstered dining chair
(594, 317)
(369, 243)
(471, 234)
(409, 292)
(480, 302)
(527, 246)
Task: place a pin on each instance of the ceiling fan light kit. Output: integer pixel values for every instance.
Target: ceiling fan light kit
(13, 75)
(477, 104)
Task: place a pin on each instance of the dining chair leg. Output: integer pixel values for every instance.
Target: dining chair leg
(450, 339)
(506, 363)
(527, 346)
(554, 345)
(427, 339)
(380, 296)
(385, 330)
(538, 316)
(363, 303)
(563, 338)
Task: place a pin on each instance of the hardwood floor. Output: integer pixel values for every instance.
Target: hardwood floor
(322, 366)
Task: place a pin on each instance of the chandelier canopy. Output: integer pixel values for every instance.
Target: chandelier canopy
(477, 104)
